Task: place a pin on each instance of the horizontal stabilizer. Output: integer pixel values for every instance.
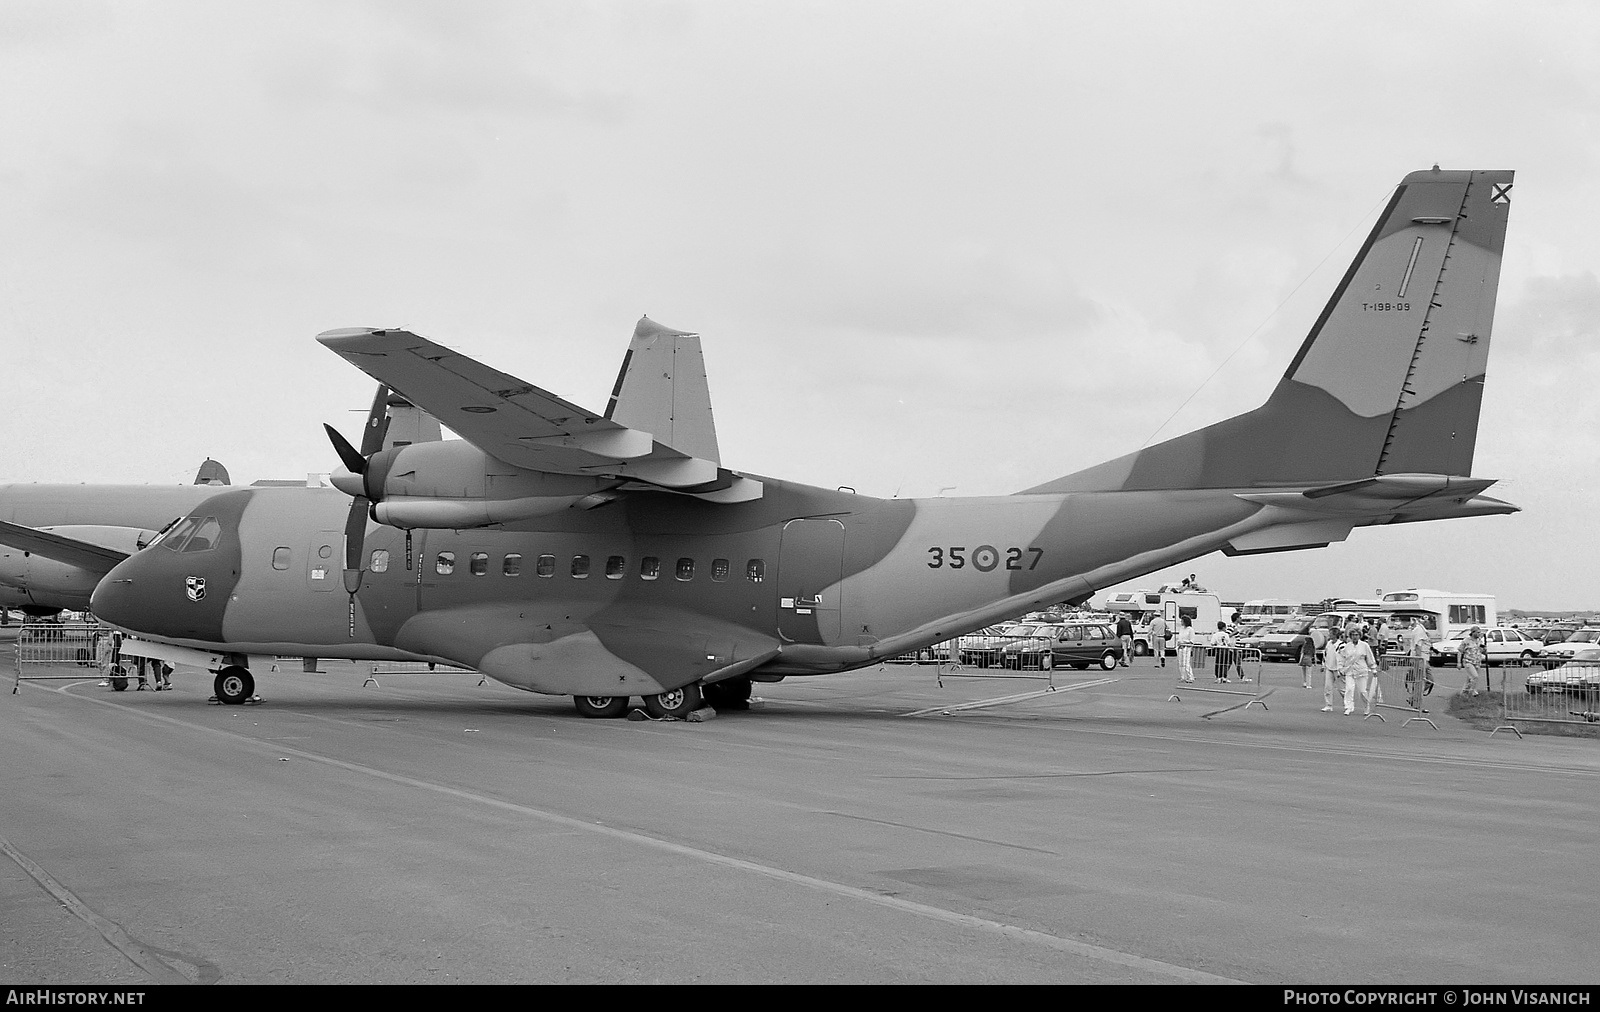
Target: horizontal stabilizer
(82, 554)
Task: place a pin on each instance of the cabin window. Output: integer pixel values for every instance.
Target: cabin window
(546, 566)
(380, 560)
(649, 567)
(685, 570)
(445, 564)
(580, 567)
(616, 567)
(280, 558)
(512, 566)
(479, 563)
(755, 570)
(719, 570)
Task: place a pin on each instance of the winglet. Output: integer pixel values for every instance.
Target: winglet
(662, 389)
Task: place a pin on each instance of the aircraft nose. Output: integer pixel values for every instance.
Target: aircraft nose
(178, 589)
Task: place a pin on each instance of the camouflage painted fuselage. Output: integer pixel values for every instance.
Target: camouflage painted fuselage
(623, 588)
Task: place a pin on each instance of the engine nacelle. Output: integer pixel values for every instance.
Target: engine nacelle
(453, 484)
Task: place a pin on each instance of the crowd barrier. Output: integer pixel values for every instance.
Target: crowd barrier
(60, 651)
(1552, 693)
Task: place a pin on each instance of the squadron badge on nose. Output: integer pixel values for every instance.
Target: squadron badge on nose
(195, 587)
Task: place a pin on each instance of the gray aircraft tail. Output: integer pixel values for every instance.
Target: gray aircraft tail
(211, 473)
(1390, 378)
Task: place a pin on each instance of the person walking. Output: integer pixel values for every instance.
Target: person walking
(1186, 650)
(1308, 656)
(1360, 669)
(1331, 670)
(1419, 645)
(1158, 640)
(1471, 660)
(1125, 634)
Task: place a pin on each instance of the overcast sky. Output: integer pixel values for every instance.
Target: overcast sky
(964, 246)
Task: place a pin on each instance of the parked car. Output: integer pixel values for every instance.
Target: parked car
(1580, 675)
(1501, 645)
(1280, 642)
(1565, 650)
(1026, 645)
(981, 649)
(1080, 644)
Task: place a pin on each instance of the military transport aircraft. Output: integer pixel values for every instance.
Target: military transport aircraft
(610, 555)
(57, 541)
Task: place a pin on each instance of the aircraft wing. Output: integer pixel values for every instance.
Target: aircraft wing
(515, 421)
(91, 557)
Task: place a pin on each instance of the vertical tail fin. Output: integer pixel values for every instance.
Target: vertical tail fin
(662, 390)
(1389, 380)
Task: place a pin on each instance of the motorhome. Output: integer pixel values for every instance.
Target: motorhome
(1203, 609)
(1443, 613)
(1268, 609)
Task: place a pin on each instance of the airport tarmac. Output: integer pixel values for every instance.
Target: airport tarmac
(429, 829)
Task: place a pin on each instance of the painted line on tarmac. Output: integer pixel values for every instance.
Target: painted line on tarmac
(923, 910)
(1016, 697)
(156, 968)
(1353, 752)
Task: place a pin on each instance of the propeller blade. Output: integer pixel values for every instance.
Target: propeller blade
(377, 423)
(349, 456)
(355, 532)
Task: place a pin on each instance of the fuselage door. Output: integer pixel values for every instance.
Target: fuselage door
(325, 561)
(810, 568)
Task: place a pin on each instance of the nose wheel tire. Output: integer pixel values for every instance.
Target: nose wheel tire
(601, 707)
(234, 685)
(676, 703)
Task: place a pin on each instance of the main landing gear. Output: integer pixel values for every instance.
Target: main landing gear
(676, 704)
(234, 685)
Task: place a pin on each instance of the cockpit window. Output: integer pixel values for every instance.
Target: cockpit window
(205, 537)
(176, 537)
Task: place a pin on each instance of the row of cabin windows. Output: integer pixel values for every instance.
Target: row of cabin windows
(580, 566)
(616, 566)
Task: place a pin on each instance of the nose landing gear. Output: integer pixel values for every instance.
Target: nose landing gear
(234, 685)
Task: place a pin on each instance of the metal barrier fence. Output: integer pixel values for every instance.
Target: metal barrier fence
(59, 651)
(1404, 684)
(1556, 693)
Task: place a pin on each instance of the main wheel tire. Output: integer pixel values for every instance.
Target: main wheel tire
(1108, 660)
(234, 685)
(676, 703)
(601, 707)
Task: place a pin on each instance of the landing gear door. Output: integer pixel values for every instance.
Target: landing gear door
(810, 569)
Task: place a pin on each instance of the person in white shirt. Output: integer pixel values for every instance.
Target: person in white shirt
(1331, 671)
(1360, 672)
(1186, 651)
